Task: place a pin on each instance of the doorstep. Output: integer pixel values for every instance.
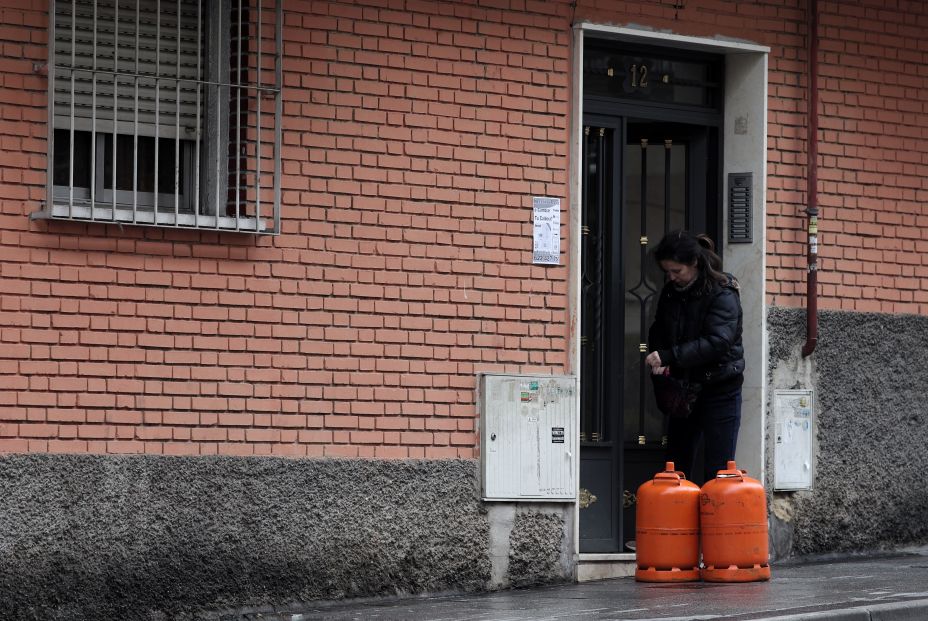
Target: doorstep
(604, 566)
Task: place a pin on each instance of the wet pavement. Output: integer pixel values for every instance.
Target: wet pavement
(862, 588)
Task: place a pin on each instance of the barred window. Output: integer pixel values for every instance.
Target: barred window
(166, 113)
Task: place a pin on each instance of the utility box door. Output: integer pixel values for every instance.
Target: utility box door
(794, 426)
(528, 432)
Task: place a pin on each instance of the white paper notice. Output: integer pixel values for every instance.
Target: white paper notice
(547, 219)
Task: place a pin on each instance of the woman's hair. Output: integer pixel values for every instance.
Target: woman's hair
(687, 248)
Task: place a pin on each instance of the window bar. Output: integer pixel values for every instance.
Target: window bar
(115, 104)
(278, 109)
(50, 111)
(93, 119)
(177, 124)
(135, 117)
(157, 109)
(196, 183)
(73, 85)
(238, 120)
(219, 205)
(259, 126)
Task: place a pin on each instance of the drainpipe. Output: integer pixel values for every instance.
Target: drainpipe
(812, 178)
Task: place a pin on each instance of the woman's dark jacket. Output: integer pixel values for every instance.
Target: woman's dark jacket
(697, 333)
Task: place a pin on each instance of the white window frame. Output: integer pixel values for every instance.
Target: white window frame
(232, 92)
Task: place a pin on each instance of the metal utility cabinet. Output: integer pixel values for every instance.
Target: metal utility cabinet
(528, 437)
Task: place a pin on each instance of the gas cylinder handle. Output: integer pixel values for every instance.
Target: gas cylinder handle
(730, 474)
(670, 468)
(668, 476)
(731, 471)
(670, 473)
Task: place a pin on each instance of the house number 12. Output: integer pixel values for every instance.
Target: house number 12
(639, 76)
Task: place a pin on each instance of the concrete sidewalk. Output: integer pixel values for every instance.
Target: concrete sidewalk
(891, 587)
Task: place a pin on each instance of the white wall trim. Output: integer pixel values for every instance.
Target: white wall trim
(575, 217)
(744, 136)
(646, 35)
(744, 151)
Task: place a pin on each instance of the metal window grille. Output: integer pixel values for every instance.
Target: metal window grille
(166, 113)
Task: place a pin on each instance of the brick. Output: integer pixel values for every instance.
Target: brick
(67, 446)
(13, 445)
(34, 430)
(181, 448)
(412, 141)
(340, 450)
(234, 449)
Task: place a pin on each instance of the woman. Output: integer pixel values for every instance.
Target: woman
(696, 336)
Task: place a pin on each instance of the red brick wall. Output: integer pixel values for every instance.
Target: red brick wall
(414, 139)
(873, 156)
(873, 160)
(413, 142)
(27, 309)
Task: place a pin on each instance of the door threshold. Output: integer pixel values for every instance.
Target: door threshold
(605, 566)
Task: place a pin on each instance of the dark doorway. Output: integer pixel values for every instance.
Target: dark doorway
(646, 170)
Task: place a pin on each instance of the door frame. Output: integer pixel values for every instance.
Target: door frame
(743, 134)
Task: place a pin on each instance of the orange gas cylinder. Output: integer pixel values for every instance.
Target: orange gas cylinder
(733, 522)
(667, 528)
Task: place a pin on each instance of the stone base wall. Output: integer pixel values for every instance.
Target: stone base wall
(870, 376)
(117, 538)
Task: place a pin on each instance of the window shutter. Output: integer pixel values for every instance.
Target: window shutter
(140, 45)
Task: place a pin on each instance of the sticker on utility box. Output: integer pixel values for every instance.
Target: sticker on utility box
(528, 392)
(557, 435)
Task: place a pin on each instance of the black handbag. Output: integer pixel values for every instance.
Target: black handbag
(674, 396)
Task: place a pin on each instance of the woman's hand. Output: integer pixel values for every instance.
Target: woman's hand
(653, 360)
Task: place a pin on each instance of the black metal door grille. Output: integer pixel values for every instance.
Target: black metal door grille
(597, 191)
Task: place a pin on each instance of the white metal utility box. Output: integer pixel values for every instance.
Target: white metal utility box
(528, 437)
(794, 425)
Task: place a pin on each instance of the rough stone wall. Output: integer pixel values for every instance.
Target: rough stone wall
(151, 537)
(870, 378)
(535, 549)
